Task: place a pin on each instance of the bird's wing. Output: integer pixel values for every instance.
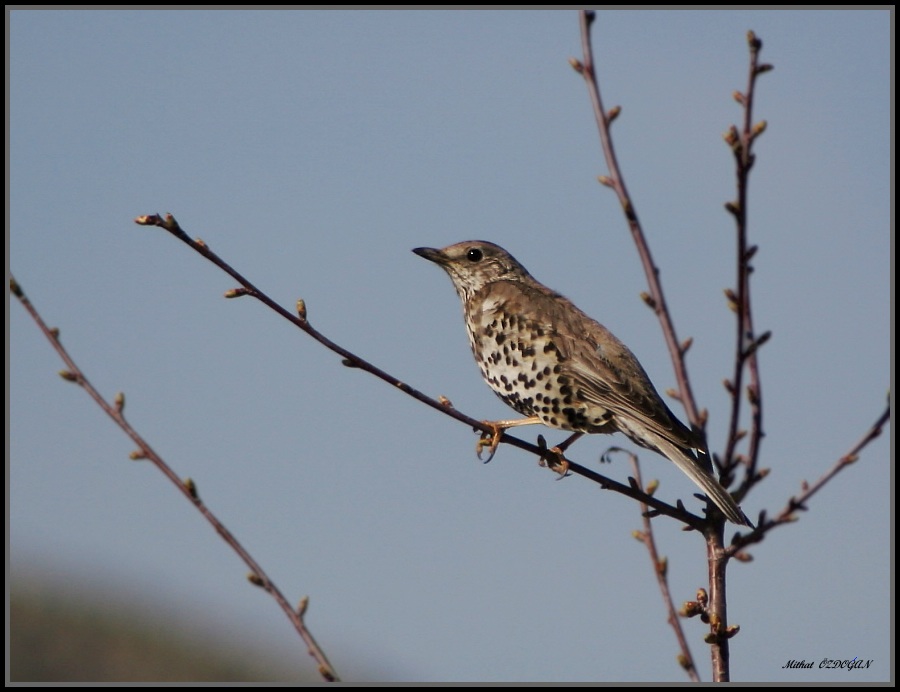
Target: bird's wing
(607, 374)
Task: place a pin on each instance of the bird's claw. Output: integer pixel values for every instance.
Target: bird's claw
(554, 459)
(491, 440)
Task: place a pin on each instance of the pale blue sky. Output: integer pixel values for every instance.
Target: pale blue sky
(313, 150)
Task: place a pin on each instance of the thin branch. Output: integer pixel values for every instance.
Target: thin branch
(656, 298)
(350, 359)
(187, 487)
(717, 557)
(746, 343)
(660, 568)
(796, 503)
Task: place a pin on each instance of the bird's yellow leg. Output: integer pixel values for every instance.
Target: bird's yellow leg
(491, 440)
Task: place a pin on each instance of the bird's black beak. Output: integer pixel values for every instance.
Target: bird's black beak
(431, 254)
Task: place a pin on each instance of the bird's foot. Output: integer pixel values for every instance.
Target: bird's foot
(554, 458)
(491, 439)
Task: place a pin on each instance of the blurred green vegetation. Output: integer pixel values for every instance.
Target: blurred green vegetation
(56, 637)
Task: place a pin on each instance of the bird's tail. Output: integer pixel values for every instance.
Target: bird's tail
(707, 483)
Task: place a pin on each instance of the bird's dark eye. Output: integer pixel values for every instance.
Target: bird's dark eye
(474, 254)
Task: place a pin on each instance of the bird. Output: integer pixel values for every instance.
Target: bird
(555, 365)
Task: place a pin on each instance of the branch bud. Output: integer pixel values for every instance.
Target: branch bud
(576, 65)
(69, 376)
(301, 309)
(255, 579)
(191, 487)
(732, 299)
(148, 220)
(662, 566)
(236, 292)
(754, 42)
(613, 113)
(690, 609)
(752, 394)
(732, 138)
(647, 298)
(119, 402)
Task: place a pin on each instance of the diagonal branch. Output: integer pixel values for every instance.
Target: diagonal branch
(796, 503)
(352, 360)
(187, 487)
(656, 298)
(660, 568)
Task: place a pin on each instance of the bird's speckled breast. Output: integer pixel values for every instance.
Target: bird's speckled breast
(521, 363)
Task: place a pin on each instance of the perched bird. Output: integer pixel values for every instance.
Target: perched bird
(552, 363)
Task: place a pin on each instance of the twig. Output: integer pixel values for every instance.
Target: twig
(746, 342)
(796, 503)
(187, 486)
(352, 360)
(717, 558)
(660, 568)
(656, 298)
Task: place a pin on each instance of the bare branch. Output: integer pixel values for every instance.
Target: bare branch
(350, 359)
(798, 503)
(187, 486)
(746, 342)
(660, 568)
(655, 298)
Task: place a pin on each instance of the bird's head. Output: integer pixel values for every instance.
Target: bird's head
(474, 264)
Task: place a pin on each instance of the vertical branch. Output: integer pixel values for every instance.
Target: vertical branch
(746, 342)
(746, 346)
(720, 632)
(655, 298)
